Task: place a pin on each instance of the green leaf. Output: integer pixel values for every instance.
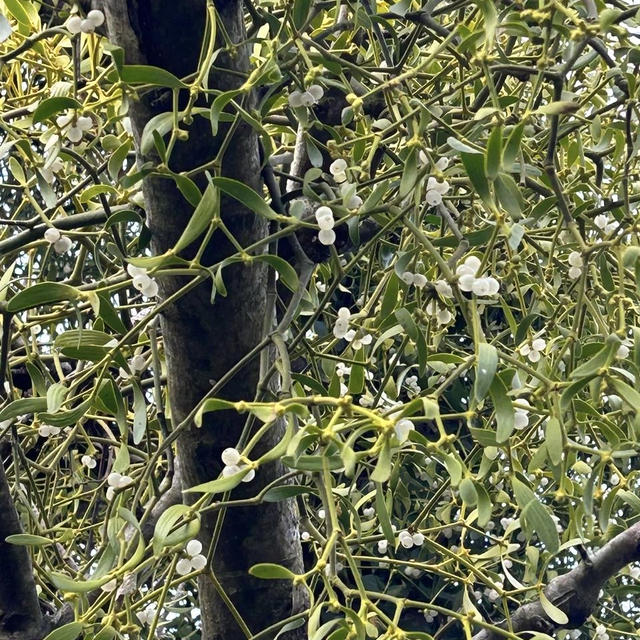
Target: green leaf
(269, 571)
(601, 360)
(56, 394)
(162, 124)
(572, 390)
(468, 492)
(454, 468)
(87, 344)
(68, 631)
(247, 196)
(117, 159)
(51, 106)
(486, 365)
(382, 470)
(75, 585)
(462, 147)
(139, 414)
(557, 615)
(313, 463)
(218, 106)
(493, 155)
(280, 448)
(286, 272)
(554, 440)
(220, 485)
(504, 409)
(167, 534)
(22, 406)
(508, 195)
(536, 515)
(208, 209)
(485, 505)
(66, 418)
(627, 393)
(145, 74)
(97, 190)
(300, 12)
(558, 108)
(188, 188)
(407, 323)
(490, 20)
(42, 293)
(277, 494)
(474, 167)
(17, 8)
(212, 404)
(512, 148)
(28, 539)
(409, 174)
(383, 515)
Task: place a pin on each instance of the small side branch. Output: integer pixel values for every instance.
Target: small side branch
(576, 592)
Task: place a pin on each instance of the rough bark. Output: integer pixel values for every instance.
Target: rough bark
(576, 592)
(203, 341)
(20, 614)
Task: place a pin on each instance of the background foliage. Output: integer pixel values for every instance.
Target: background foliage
(458, 371)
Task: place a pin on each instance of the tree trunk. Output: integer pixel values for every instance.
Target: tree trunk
(20, 614)
(202, 341)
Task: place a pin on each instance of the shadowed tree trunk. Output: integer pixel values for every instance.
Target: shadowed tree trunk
(203, 340)
(20, 614)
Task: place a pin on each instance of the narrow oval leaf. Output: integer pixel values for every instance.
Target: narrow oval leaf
(269, 571)
(557, 615)
(247, 196)
(486, 365)
(42, 293)
(51, 106)
(206, 211)
(28, 539)
(68, 631)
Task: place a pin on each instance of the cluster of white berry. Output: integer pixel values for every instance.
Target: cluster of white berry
(233, 462)
(194, 560)
(88, 461)
(74, 126)
(409, 540)
(415, 279)
(469, 281)
(338, 169)
(324, 218)
(575, 265)
(435, 191)
(533, 350)
(75, 24)
(441, 314)
(146, 285)
(61, 244)
(306, 98)
(46, 431)
(341, 327)
(115, 481)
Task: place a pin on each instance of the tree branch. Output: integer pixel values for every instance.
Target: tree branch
(576, 592)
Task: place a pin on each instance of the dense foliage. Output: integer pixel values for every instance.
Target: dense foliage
(457, 372)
